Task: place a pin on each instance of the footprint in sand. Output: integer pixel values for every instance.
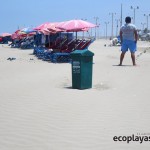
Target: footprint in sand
(65, 83)
(101, 86)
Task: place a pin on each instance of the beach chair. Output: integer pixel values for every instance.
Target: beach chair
(60, 58)
(85, 45)
(1, 40)
(38, 51)
(47, 55)
(27, 44)
(64, 55)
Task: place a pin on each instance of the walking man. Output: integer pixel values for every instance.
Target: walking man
(128, 37)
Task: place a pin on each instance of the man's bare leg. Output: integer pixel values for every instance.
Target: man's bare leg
(133, 59)
(121, 58)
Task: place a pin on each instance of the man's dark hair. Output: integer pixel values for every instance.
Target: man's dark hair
(128, 20)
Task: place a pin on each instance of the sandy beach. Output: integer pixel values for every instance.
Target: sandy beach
(40, 111)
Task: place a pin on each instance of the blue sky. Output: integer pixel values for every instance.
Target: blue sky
(30, 13)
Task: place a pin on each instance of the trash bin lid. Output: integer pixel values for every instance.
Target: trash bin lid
(82, 53)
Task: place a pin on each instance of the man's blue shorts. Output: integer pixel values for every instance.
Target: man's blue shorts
(128, 44)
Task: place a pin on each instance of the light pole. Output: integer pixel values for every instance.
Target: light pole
(134, 8)
(117, 26)
(112, 27)
(83, 31)
(96, 22)
(106, 23)
(143, 25)
(147, 19)
(98, 31)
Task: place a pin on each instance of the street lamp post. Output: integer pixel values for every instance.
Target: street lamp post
(117, 26)
(106, 23)
(143, 24)
(147, 19)
(83, 31)
(112, 27)
(98, 32)
(134, 12)
(96, 22)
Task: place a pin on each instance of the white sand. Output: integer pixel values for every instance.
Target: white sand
(39, 110)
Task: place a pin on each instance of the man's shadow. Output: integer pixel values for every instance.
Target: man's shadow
(122, 65)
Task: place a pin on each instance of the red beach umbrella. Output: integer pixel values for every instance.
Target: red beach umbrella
(52, 27)
(15, 35)
(75, 25)
(5, 34)
(42, 26)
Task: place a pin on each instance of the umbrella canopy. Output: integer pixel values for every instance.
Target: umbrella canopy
(75, 25)
(44, 31)
(5, 34)
(18, 34)
(47, 28)
(42, 26)
(27, 30)
(52, 27)
(15, 35)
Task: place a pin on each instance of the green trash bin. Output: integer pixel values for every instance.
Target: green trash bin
(82, 64)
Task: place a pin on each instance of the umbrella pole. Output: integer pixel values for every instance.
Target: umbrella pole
(49, 40)
(76, 41)
(76, 35)
(83, 35)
